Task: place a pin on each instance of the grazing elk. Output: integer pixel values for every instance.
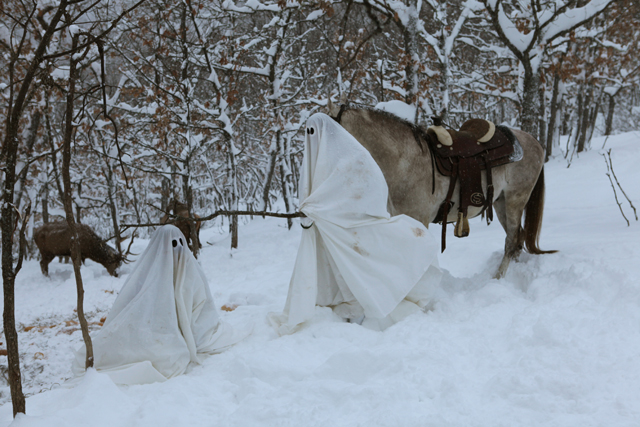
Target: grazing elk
(54, 239)
(180, 210)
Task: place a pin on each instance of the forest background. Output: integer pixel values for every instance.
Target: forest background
(143, 102)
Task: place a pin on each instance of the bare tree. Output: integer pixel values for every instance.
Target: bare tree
(527, 30)
(76, 257)
(32, 30)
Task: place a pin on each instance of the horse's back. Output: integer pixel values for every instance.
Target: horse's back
(522, 175)
(404, 161)
(416, 189)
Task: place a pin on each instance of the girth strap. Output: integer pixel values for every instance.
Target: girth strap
(489, 200)
(446, 205)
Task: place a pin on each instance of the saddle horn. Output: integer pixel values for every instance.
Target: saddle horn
(439, 119)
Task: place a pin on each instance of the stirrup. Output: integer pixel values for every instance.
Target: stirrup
(462, 226)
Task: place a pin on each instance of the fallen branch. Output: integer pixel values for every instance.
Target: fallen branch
(610, 171)
(217, 214)
(635, 212)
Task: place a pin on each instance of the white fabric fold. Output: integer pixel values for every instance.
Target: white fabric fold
(163, 319)
(354, 257)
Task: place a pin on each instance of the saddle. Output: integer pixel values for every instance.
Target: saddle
(462, 155)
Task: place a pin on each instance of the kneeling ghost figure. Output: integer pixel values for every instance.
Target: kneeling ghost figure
(163, 319)
(353, 256)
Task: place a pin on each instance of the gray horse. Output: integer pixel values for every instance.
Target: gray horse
(407, 168)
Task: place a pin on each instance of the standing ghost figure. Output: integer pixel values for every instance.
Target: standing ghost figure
(163, 319)
(353, 256)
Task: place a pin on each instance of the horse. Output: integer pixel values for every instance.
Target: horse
(418, 191)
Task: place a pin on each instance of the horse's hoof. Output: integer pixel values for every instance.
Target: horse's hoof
(502, 270)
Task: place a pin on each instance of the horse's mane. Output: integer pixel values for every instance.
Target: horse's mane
(419, 132)
(386, 114)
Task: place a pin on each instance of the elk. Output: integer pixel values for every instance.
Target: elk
(180, 211)
(54, 239)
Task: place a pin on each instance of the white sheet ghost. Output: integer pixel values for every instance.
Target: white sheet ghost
(163, 319)
(353, 256)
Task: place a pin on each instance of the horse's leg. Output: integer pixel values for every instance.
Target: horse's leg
(509, 209)
(501, 212)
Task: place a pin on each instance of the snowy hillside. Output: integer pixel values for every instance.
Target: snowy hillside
(554, 343)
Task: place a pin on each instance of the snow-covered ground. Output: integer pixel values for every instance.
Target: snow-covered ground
(554, 343)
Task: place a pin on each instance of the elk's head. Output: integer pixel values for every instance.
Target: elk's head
(113, 261)
(116, 259)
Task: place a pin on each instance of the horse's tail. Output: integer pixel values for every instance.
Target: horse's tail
(533, 217)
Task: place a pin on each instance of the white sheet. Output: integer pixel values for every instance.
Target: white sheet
(353, 257)
(163, 319)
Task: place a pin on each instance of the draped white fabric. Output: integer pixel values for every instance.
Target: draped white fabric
(163, 319)
(353, 256)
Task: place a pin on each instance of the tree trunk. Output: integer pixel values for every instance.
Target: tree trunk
(295, 173)
(579, 114)
(233, 193)
(566, 122)
(381, 99)
(584, 122)
(9, 274)
(165, 194)
(273, 156)
(610, 110)
(542, 126)
(68, 207)
(33, 134)
(233, 230)
(444, 75)
(45, 202)
(593, 116)
(9, 156)
(193, 233)
(113, 208)
(529, 103)
(285, 174)
(410, 38)
(551, 131)
(52, 146)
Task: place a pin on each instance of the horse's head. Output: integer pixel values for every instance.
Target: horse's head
(332, 109)
(335, 111)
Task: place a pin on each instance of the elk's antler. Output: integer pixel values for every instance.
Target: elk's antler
(128, 252)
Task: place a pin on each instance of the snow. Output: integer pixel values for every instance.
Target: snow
(315, 15)
(73, 30)
(558, 23)
(521, 41)
(399, 108)
(554, 343)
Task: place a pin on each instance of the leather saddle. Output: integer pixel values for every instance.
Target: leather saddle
(462, 155)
